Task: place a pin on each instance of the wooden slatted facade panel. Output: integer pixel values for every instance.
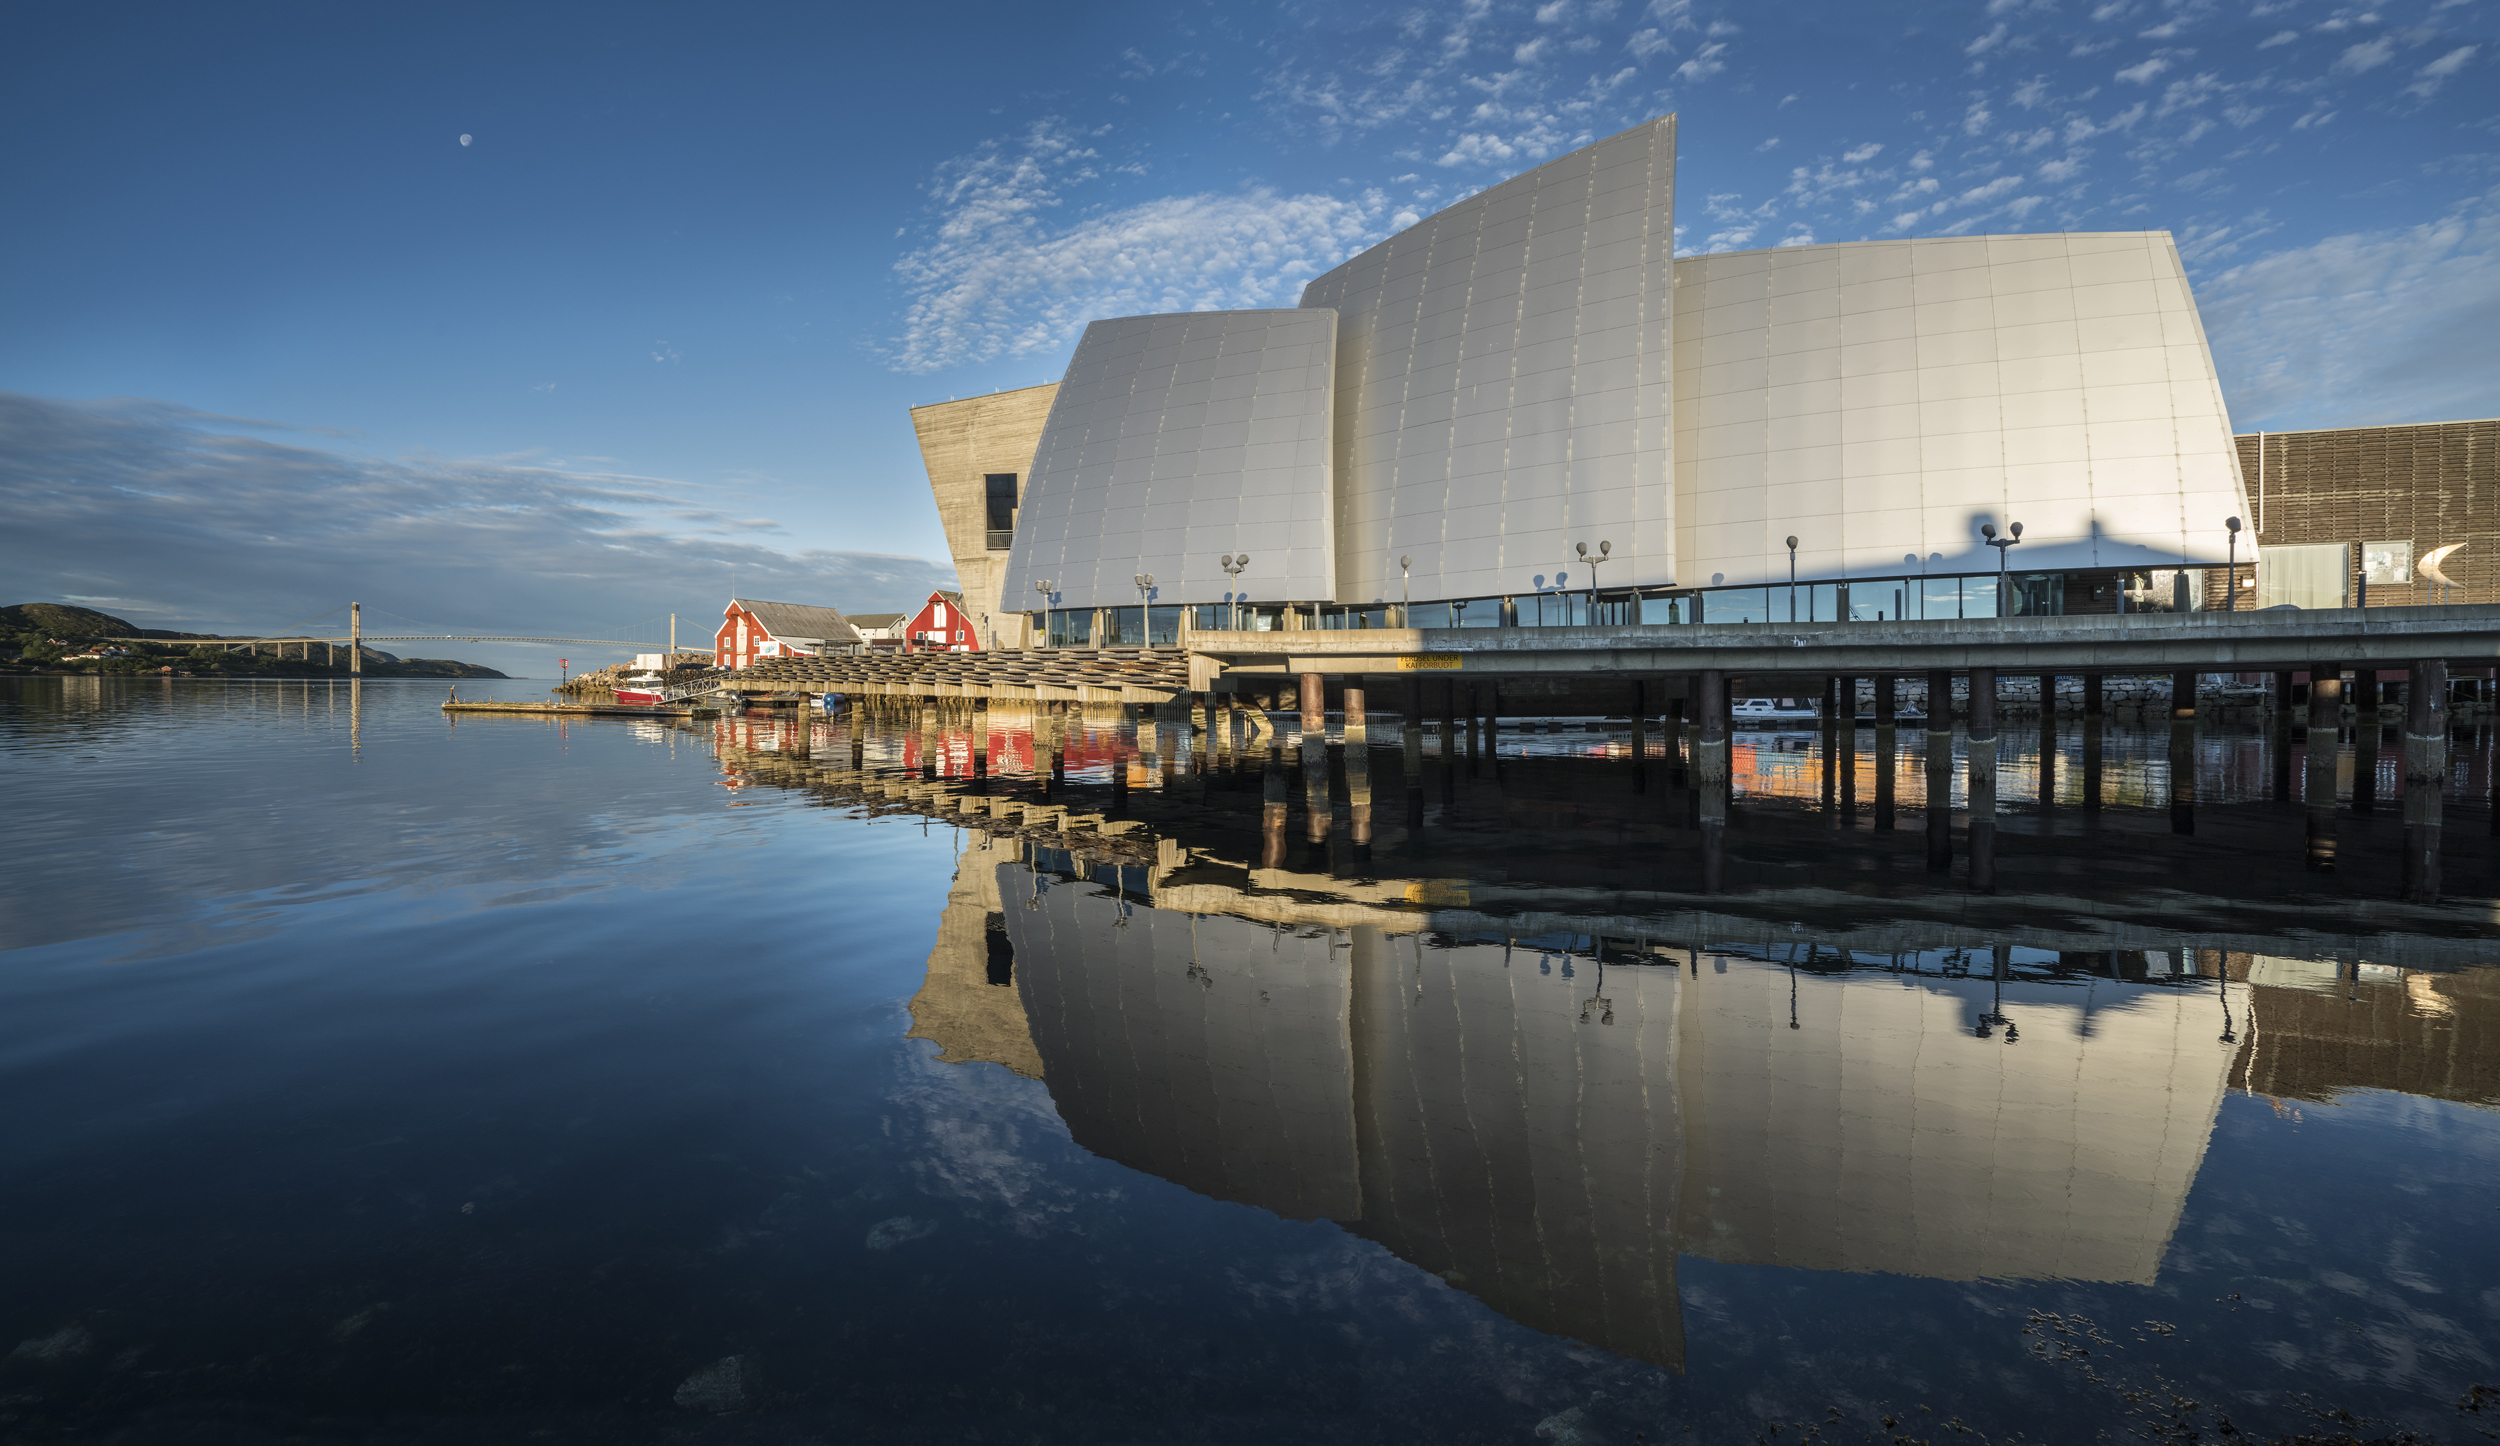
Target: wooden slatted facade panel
(2430, 484)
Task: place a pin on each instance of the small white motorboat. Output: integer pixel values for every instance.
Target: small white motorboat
(1772, 712)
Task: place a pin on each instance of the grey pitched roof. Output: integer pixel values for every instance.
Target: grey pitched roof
(879, 620)
(796, 622)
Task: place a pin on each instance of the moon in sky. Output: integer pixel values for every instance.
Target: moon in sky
(464, 140)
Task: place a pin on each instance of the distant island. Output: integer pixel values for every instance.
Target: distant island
(60, 638)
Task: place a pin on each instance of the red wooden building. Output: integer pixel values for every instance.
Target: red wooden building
(752, 629)
(942, 626)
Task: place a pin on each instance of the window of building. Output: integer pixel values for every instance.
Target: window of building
(999, 488)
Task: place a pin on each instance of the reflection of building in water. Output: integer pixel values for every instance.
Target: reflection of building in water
(968, 1004)
(1880, 1132)
(1548, 1135)
(2315, 1028)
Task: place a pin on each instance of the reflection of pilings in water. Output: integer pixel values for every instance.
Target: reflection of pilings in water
(1886, 734)
(2092, 742)
(929, 737)
(1358, 773)
(980, 739)
(1981, 791)
(1124, 741)
(1315, 809)
(2365, 737)
(1831, 752)
(2046, 792)
(2426, 778)
(1710, 776)
(1273, 808)
(1055, 729)
(1939, 771)
(2183, 753)
(2326, 710)
(1848, 752)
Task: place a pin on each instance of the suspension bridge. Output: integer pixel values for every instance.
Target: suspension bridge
(355, 639)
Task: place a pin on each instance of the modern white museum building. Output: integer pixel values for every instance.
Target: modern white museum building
(1526, 410)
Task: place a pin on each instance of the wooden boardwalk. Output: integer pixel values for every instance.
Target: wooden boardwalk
(1142, 675)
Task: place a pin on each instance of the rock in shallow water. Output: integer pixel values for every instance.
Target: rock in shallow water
(720, 1386)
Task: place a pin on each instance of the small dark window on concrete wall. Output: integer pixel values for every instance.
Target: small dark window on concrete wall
(1001, 491)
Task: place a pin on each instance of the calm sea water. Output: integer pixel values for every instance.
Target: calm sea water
(371, 1077)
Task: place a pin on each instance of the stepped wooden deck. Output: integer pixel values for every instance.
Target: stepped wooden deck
(1145, 675)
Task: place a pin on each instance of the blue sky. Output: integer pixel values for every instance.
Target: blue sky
(271, 334)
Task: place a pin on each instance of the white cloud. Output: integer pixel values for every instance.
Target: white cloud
(2372, 327)
(2143, 73)
(2430, 77)
(2280, 37)
(2367, 56)
(225, 531)
(995, 279)
(1704, 64)
(1857, 155)
(1990, 41)
(1975, 120)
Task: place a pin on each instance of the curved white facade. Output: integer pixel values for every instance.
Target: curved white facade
(1532, 369)
(1173, 441)
(1880, 400)
(1502, 382)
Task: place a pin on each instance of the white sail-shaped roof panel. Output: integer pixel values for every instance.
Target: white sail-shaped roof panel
(1503, 372)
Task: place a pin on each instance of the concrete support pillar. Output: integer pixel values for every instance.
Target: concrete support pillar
(2093, 724)
(1640, 732)
(1886, 732)
(1449, 741)
(2183, 753)
(1274, 792)
(1710, 776)
(1939, 771)
(1830, 709)
(2365, 739)
(1316, 813)
(1981, 789)
(1493, 723)
(2326, 721)
(1475, 727)
(1414, 741)
(2046, 792)
(2280, 788)
(2426, 778)
(1848, 720)
(1358, 771)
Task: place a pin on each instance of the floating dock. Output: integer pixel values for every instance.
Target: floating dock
(578, 710)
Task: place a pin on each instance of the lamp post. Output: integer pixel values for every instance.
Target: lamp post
(1044, 588)
(1792, 577)
(2014, 535)
(1603, 548)
(2231, 592)
(1145, 610)
(1406, 591)
(1234, 567)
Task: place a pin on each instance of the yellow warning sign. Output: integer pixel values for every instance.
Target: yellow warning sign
(1414, 662)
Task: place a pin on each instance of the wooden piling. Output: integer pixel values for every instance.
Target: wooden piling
(1358, 771)
(1316, 810)
(2426, 778)
(1939, 771)
(1981, 788)
(2326, 721)
(1886, 732)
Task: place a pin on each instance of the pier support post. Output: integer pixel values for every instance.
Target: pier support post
(1981, 790)
(2046, 792)
(1886, 704)
(2183, 753)
(1848, 751)
(2426, 778)
(1449, 741)
(2094, 719)
(1316, 811)
(1710, 776)
(2326, 720)
(1493, 725)
(2281, 786)
(1358, 771)
(1831, 752)
(1414, 741)
(1475, 728)
(1274, 793)
(2365, 739)
(1671, 739)
(1940, 771)
(1640, 735)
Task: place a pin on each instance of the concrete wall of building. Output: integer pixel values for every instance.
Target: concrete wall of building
(1175, 440)
(1880, 1133)
(961, 443)
(1880, 400)
(1502, 382)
